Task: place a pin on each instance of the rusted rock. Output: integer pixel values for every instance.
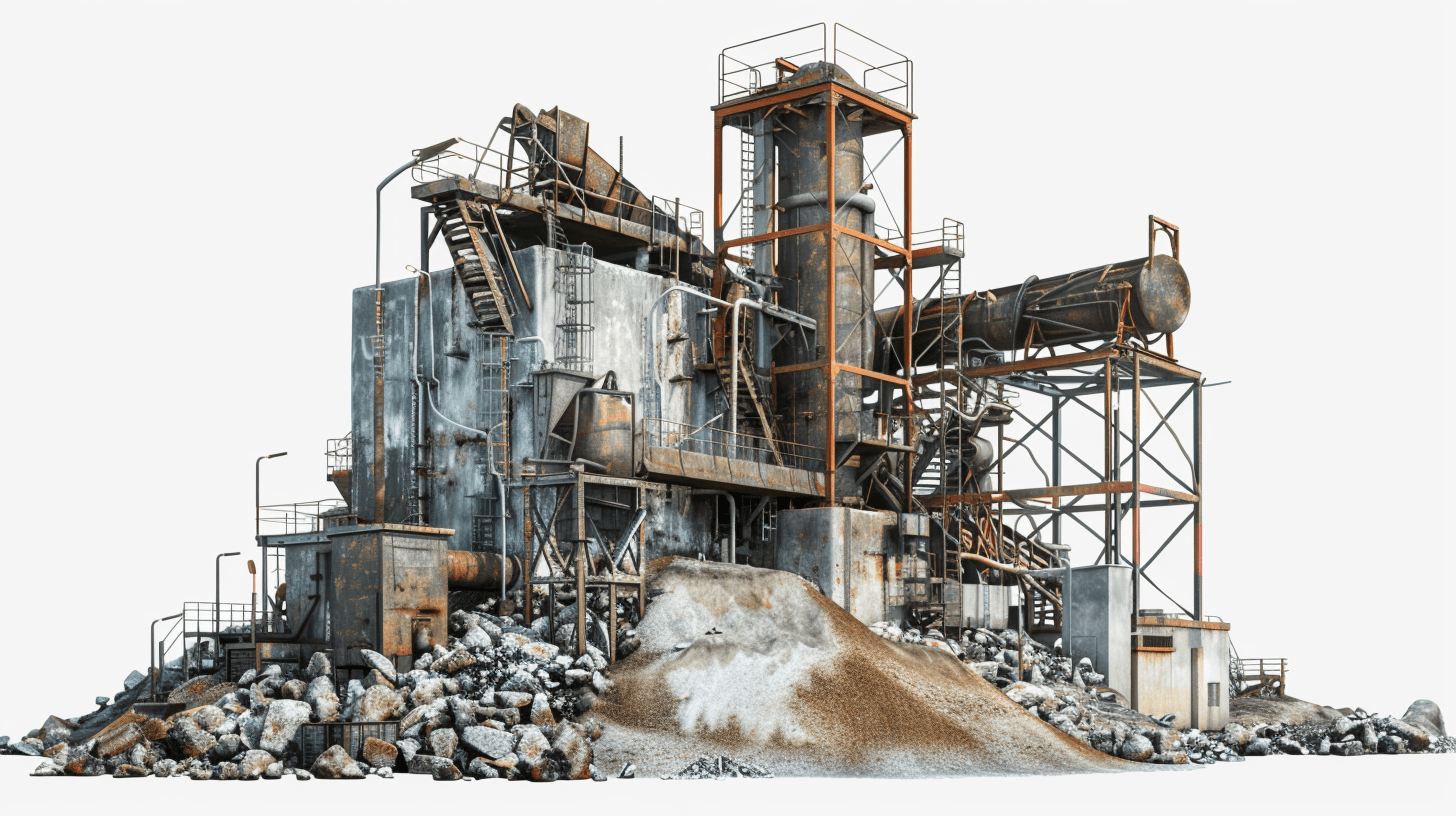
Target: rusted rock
(120, 740)
(575, 750)
(281, 723)
(378, 704)
(336, 764)
(378, 753)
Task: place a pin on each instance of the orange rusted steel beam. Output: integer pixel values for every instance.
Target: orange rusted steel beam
(1055, 492)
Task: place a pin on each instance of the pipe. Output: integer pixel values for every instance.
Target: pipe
(859, 201)
(730, 556)
(480, 571)
(1017, 571)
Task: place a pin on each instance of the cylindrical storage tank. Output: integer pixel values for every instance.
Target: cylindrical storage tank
(805, 263)
(480, 572)
(1080, 307)
(604, 428)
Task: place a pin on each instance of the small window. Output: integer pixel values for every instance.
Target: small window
(1214, 697)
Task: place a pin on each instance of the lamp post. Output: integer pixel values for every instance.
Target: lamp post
(253, 627)
(258, 520)
(257, 492)
(154, 648)
(217, 599)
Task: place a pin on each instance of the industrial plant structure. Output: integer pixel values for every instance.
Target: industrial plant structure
(803, 380)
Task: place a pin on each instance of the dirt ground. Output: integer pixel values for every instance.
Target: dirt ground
(757, 664)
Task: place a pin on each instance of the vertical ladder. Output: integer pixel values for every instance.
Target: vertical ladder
(748, 160)
(490, 352)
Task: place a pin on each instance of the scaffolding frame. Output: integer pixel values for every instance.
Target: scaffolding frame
(752, 102)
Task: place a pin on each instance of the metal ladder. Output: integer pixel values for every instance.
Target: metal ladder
(748, 159)
(574, 306)
(491, 354)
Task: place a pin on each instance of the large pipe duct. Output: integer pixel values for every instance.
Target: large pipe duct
(1084, 306)
(807, 261)
(480, 572)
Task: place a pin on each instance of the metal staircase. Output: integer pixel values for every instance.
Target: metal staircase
(462, 225)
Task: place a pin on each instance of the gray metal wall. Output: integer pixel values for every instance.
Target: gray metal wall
(455, 461)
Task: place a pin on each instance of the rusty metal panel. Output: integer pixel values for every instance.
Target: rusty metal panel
(840, 551)
(415, 595)
(704, 470)
(354, 606)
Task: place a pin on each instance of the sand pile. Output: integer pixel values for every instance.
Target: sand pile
(759, 663)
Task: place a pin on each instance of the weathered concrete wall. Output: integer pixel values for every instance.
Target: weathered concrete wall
(1177, 682)
(1098, 622)
(432, 323)
(841, 551)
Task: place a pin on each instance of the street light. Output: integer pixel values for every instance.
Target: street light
(257, 493)
(217, 599)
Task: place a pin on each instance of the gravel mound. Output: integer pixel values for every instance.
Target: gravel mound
(758, 662)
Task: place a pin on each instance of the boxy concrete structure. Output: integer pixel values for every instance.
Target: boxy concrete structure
(1097, 621)
(1181, 667)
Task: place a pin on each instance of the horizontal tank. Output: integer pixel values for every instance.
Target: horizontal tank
(1082, 306)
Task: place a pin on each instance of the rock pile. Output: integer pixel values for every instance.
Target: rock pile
(497, 703)
(722, 767)
(1074, 701)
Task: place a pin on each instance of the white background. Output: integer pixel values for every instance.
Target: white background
(188, 201)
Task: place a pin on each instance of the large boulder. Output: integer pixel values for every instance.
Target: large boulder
(1415, 736)
(531, 748)
(541, 711)
(192, 742)
(111, 743)
(375, 660)
(422, 715)
(428, 691)
(1237, 735)
(378, 753)
(480, 769)
(453, 662)
(318, 666)
(488, 742)
(443, 742)
(281, 724)
(1340, 727)
(83, 764)
(254, 764)
(227, 747)
(250, 728)
(209, 717)
(336, 764)
(1027, 695)
(321, 697)
(575, 750)
(1259, 746)
(1136, 748)
(379, 703)
(1427, 715)
(476, 638)
(294, 689)
(1351, 748)
(426, 764)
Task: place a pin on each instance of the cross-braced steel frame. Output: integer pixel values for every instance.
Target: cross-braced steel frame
(1127, 476)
